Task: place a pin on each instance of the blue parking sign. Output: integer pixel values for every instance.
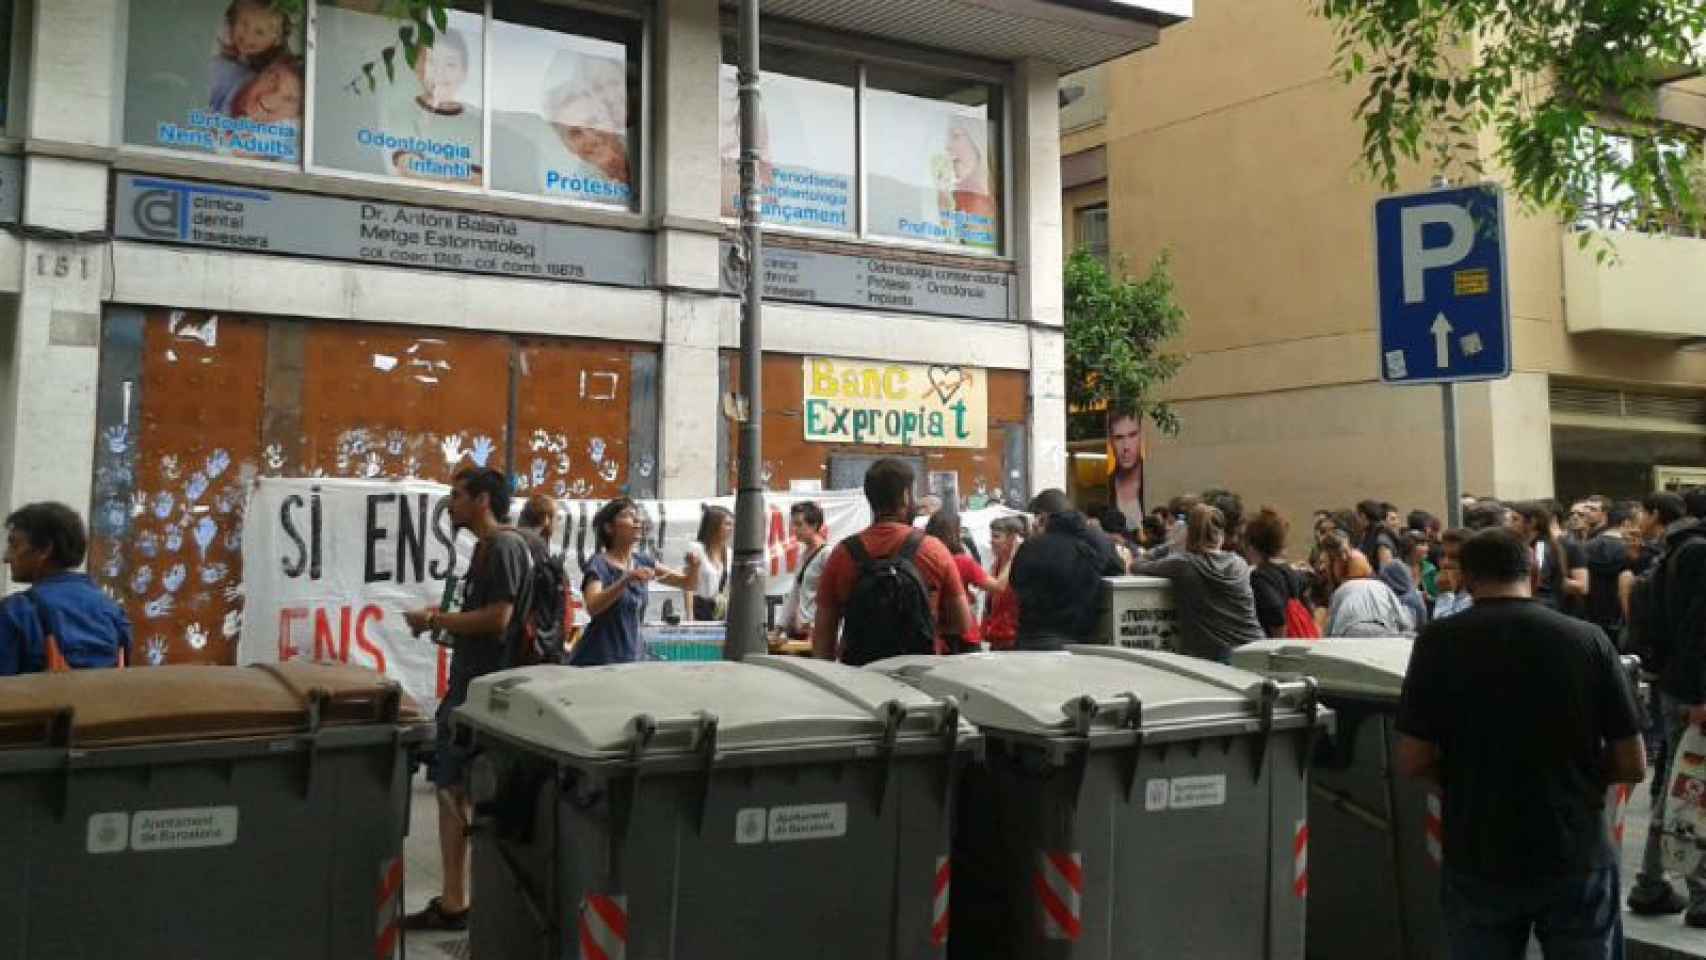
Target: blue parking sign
(1441, 276)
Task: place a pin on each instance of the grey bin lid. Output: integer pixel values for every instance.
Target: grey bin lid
(590, 712)
(1034, 692)
(1350, 666)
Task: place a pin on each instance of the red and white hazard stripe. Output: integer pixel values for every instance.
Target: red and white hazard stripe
(939, 905)
(1620, 811)
(1300, 859)
(1434, 829)
(387, 937)
(603, 927)
(1060, 893)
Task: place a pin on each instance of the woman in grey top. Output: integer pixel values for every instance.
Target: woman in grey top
(1211, 589)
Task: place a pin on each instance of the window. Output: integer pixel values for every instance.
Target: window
(555, 113)
(934, 146)
(806, 135)
(1610, 204)
(1092, 231)
(424, 124)
(215, 76)
(931, 171)
(565, 103)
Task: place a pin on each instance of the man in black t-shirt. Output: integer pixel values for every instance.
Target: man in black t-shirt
(497, 577)
(1524, 717)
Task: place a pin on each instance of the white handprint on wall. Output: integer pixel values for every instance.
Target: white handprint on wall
(482, 450)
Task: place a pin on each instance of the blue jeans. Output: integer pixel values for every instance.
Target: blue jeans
(1575, 918)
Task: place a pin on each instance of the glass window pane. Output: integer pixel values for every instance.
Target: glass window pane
(214, 76)
(565, 103)
(806, 139)
(423, 123)
(933, 159)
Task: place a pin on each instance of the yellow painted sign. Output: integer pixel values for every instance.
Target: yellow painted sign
(895, 404)
(1471, 283)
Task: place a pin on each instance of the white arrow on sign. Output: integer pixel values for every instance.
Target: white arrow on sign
(1442, 341)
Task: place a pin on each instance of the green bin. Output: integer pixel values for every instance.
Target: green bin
(1133, 804)
(1378, 837)
(776, 807)
(169, 813)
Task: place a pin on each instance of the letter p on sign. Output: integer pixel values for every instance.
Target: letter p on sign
(1419, 258)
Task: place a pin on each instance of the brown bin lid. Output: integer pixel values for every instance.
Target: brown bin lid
(153, 704)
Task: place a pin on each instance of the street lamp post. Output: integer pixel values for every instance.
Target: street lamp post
(746, 633)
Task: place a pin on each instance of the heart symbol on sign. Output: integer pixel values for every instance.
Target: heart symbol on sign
(947, 381)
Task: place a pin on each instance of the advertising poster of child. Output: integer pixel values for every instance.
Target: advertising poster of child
(561, 116)
(426, 124)
(215, 76)
(806, 151)
(933, 177)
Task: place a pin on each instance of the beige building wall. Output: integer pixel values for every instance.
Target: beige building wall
(1249, 173)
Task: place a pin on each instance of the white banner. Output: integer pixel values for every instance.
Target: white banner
(329, 565)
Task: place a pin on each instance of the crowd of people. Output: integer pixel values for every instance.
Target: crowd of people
(1598, 577)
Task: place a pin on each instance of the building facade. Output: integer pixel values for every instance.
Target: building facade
(243, 241)
(1249, 176)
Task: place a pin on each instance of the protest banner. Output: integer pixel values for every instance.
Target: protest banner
(331, 564)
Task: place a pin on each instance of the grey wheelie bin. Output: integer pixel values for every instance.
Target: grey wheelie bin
(777, 807)
(1378, 837)
(1132, 804)
(1374, 886)
(167, 813)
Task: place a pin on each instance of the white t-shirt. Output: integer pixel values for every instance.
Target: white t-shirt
(801, 606)
(710, 572)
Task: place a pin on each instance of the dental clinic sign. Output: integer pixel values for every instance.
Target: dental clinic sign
(895, 404)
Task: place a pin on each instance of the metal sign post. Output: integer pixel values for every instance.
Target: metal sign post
(746, 624)
(1440, 277)
(1453, 461)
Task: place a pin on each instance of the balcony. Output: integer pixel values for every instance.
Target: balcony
(1071, 34)
(1652, 285)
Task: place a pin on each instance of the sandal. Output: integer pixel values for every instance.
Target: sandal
(434, 917)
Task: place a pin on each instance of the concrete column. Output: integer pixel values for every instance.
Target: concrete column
(688, 180)
(1048, 409)
(1037, 247)
(1036, 180)
(688, 185)
(52, 348)
(75, 71)
(689, 400)
(54, 342)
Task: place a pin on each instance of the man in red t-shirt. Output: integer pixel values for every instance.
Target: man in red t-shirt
(888, 488)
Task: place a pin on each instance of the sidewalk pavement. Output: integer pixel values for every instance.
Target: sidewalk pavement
(1648, 938)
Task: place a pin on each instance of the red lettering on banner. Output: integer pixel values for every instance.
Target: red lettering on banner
(784, 550)
(324, 646)
(286, 616)
(367, 646)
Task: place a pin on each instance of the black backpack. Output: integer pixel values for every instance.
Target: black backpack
(1674, 599)
(888, 613)
(536, 628)
(1607, 558)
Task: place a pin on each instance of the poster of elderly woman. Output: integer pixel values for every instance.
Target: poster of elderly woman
(563, 113)
(935, 179)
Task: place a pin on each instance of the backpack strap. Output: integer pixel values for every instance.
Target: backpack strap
(856, 549)
(909, 549)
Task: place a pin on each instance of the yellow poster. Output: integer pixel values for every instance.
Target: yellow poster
(895, 404)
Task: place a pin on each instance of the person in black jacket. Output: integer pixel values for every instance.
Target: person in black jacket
(1672, 627)
(1058, 575)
